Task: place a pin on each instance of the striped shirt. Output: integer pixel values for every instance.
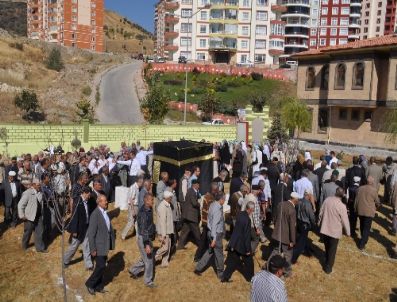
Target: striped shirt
(267, 287)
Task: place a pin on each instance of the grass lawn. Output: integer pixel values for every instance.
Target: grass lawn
(233, 92)
(175, 115)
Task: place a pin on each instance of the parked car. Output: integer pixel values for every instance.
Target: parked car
(182, 60)
(246, 64)
(160, 60)
(214, 122)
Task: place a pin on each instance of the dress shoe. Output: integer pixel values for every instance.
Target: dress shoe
(197, 272)
(102, 291)
(133, 276)
(43, 251)
(91, 291)
(89, 268)
(151, 285)
(223, 280)
(328, 270)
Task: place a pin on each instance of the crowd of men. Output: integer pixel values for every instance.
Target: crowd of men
(269, 200)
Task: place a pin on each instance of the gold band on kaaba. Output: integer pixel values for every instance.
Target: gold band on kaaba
(182, 162)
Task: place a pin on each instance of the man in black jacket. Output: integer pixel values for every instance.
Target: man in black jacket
(78, 228)
(190, 215)
(239, 248)
(354, 171)
(12, 194)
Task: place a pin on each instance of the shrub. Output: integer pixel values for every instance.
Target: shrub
(85, 111)
(256, 76)
(196, 71)
(221, 88)
(173, 82)
(27, 100)
(76, 143)
(197, 90)
(16, 45)
(86, 90)
(54, 60)
(155, 105)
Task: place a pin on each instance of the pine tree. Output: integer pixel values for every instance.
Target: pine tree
(277, 131)
(54, 60)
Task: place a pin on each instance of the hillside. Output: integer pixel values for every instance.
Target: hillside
(13, 16)
(124, 36)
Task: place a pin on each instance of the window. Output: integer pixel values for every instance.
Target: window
(334, 31)
(378, 21)
(310, 78)
(314, 22)
(342, 114)
(261, 30)
(335, 1)
(246, 3)
(340, 76)
(261, 16)
(243, 59)
(358, 75)
(368, 115)
(324, 77)
(322, 119)
(245, 30)
(344, 21)
(244, 44)
(260, 44)
(332, 42)
(323, 21)
(204, 15)
(277, 29)
(377, 28)
(246, 16)
(74, 18)
(355, 115)
(343, 31)
(314, 12)
(260, 58)
(323, 32)
(186, 27)
(186, 13)
(379, 12)
(335, 10)
(203, 29)
(345, 1)
(261, 2)
(313, 31)
(204, 2)
(186, 54)
(324, 2)
(203, 43)
(345, 10)
(313, 42)
(334, 21)
(186, 1)
(74, 36)
(322, 42)
(379, 4)
(324, 11)
(186, 41)
(200, 56)
(343, 41)
(74, 9)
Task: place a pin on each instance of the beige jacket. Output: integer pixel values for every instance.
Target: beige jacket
(165, 221)
(27, 206)
(333, 218)
(367, 200)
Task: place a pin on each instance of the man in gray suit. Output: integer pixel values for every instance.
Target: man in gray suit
(101, 239)
(30, 210)
(329, 188)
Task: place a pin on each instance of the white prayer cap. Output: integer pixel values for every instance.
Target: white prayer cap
(356, 178)
(295, 195)
(12, 173)
(168, 194)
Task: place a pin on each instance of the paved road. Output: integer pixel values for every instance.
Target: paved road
(119, 102)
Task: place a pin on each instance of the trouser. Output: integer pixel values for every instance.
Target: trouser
(73, 248)
(37, 227)
(301, 241)
(145, 264)
(144, 169)
(47, 223)
(203, 244)
(286, 251)
(95, 281)
(331, 245)
(132, 210)
(163, 253)
(11, 212)
(189, 227)
(394, 223)
(236, 261)
(131, 179)
(352, 218)
(254, 240)
(365, 228)
(216, 253)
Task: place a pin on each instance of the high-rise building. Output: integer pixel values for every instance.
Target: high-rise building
(75, 23)
(378, 18)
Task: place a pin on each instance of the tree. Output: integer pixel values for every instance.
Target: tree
(27, 101)
(295, 115)
(277, 131)
(258, 102)
(210, 102)
(154, 105)
(85, 111)
(54, 60)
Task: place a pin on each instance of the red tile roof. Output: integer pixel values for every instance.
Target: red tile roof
(389, 40)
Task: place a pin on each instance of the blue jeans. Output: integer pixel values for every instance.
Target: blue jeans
(301, 241)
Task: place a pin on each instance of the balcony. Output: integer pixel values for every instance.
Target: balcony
(297, 23)
(354, 25)
(171, 19)
(353, 36)
(171, 34)
(276, 52)
(171, 6)
(171, 47)
(279, 8)
(295, 3)
(223, 44)
(355, 3)
(355, 14)
(296, 45)
(277, 22)
(276, 37)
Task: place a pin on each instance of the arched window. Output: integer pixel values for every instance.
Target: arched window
(324, 77)
(340, 76)
(310, 78)
(358, 75)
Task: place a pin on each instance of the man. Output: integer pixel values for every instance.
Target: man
(306, 221)
(30, 210)
(132, 199)
(375, 171)
(208, 199)
(12, 194)
(77, 187)
(329, 188)
(48, 207)
(146, 233)
(284, 232)
(351, 203)
(281, 193)
(161, 186)
(190, 216)
(267, 285)
(220, 180)
(332, 219)
(101, 239)
(333, 158)
(184, 185)
(78, 228)
(195, 175)
(25, 175)
(273, 174)
(303, 184)
(236, 183)
(142, 158)
(216, 231)
(236, 200)
(146, 188)
(355, 171)
(367, 201)
(314, 180)
(134, 167)
(42, 167)
(104, 179)
(165, 228)
(239, 247)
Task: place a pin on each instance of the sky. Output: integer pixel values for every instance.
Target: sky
(138, 11)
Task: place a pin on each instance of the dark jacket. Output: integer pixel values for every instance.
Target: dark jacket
(281, 190)
(286, 222)
(79, 223)
(106, 186)
(8, 193)
(355, 171)
(191, 207)
(241, 237)
(100, 238)
(235, 185)
(273, 174)
(305, 214)
(146, 227)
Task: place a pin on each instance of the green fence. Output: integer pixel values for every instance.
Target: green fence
(33, 138)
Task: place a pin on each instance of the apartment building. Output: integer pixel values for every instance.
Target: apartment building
(350, 89)
(74, 23)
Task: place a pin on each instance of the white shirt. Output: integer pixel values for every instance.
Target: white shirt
(95, 166)
(13, 189)
(86, 210)
(333, 160)
(134, 166)
(133, 193)
(141, 156)
(301, 185)
(106, 217)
